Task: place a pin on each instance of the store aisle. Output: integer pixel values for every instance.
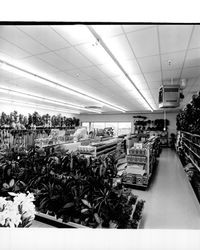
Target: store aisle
(170, 200)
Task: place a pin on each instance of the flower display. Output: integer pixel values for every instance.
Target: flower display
(17, 210)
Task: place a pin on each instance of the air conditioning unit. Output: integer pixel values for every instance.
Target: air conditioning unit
(169, 96)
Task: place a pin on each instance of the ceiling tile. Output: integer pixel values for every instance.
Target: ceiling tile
(138, 79)
(154, 85)
(37, 66)
(144, 42)
(192, 85)
(130, 66)
(119, 47)
(147, 94)
(134, 27)
(94, 72)
(108, 30)
(195, 81)
(123, 82)
(176, 60)
(14, 35)
(135, 94)
(192, 58)
(171, 74)
(72, 56)
(174, 37)
(5, 76)
(45, 35)
(74, 34)
(56, 61)
(12, 50)
(96, 54)
(190, 72)
(77, 73)
(110, 69)
(93, 83)
(106, 81)
(62, 77)
(27, 85)
(153, 76)
(149, 64)
(195, 40)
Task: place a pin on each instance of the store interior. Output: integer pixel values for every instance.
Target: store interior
(100, 124)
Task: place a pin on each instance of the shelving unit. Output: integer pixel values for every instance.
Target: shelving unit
(140, 164)
(96, 149)
(189, 151)
(192, 149)
(31, 137)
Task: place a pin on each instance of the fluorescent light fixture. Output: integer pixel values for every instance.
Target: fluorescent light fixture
(14, 69)
(43, 99)
(105, 47)
(95, 53)
(74, 34)
(33, 105)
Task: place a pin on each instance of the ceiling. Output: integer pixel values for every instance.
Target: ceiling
(104, 69)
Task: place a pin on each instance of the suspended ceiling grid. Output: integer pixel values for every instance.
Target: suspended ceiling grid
(69, 54)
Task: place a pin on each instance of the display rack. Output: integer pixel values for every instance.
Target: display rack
(34, 137)
(188, 148)
(140, 163)
(96, 149)
(191, 144)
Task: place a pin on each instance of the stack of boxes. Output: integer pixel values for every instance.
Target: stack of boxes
(136, 173)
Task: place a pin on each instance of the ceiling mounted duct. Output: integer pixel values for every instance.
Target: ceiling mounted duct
(169, 96)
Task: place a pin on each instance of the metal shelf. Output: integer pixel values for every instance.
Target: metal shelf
(191, 142)
(190, 134)
(134, 185)
(192, 150)
(193, 162)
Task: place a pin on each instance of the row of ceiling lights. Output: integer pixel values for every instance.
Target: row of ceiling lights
(57, 85)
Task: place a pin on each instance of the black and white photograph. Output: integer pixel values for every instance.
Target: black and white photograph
(99, 131)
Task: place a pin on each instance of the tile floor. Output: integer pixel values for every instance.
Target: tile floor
(170, 200)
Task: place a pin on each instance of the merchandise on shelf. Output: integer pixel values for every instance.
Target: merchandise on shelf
(188, 119)
(140, 162)
(188, 148)
(98, 148)
(20, 139)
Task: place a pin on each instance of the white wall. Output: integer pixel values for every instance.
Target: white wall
(129, 118)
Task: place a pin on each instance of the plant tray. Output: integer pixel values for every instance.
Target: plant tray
(51, 220)
(58, 223)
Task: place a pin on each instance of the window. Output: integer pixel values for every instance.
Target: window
(119, 128)
(97, 125)
(87, 125)
(113, 125)
(124, 128)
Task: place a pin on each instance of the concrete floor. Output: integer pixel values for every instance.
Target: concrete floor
(170, 200)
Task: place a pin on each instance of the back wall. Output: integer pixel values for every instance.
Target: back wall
(171, 116)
